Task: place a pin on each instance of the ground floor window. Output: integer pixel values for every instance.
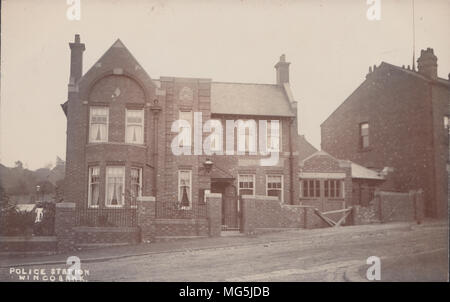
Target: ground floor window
(310, 188)
(136, 182)
(115, 186)
(274, 186)
(246, 184)
(333, 188)
(94, 187)
(185, 187)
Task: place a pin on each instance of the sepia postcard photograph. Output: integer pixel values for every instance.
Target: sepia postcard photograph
(228, 147)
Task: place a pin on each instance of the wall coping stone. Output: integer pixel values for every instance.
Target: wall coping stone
(179, 221)
(260, 197)
(213, 195)
(105, 229)
(146, 198)
(66, 205)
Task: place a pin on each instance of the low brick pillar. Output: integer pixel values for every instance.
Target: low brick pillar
(146, 213)
(64, 226)
(310, 217)
(214, 206)
(419, 206)
(248, 205)
(356, 218)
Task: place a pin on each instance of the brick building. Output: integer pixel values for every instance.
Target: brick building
(120, 136)
(398, 118)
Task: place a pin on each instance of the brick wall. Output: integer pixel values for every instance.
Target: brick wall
(391, 207)
(106, 235)
(264, 212)
(28, 245)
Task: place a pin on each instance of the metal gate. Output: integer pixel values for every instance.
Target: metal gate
(230, 214)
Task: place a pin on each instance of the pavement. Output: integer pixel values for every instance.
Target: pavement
(407, 251)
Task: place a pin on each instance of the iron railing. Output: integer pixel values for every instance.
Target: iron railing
(106, 217)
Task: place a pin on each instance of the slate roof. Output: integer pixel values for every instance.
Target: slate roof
(249, 99)
(305, 148)
(361, 172)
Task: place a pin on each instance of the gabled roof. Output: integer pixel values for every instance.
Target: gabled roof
(357, 171)
(117, 55)
(250, 99)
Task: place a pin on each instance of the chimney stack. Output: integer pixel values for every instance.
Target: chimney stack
(427, 63)
(282, 68)
(76, 60)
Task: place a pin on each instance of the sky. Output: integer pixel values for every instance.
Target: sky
(330, 45)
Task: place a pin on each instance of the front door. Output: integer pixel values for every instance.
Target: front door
(230, 208)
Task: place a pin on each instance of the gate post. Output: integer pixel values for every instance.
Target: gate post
(248, 204)
(64, 224)
(214, 208)
(146, 214)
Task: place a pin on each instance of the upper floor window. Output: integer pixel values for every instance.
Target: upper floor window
(364, 135)
(247, 136)
(246, 184)
(98, 124)
(310, 188)
(134, 133)
(185, 187)
(136, 182)
(333, 188)
(115, 186)
(185, 130)
(274, 139)
(275, 186)
(94, 187)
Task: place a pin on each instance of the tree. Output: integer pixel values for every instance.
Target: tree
(18, 164)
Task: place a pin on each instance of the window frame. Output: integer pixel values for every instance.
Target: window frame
(106, 187)
(179, 197)
(142, 124)
(90, 183)
(362, 136)
(139, 169)
(191, 128)
(280, 189)
(268, 138)
(315, 188)
(253, 181)
(90, 125)
(338, 187)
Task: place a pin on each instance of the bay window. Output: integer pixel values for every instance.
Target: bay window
(98, 124)
(134, 133)
(115, 186)
(94, 187)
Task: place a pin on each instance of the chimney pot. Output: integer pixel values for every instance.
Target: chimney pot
(76, 59)
(282, 70)
(427, 63)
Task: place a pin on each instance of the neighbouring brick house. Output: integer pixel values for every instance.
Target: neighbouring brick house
(119, 137)
(398, 118)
